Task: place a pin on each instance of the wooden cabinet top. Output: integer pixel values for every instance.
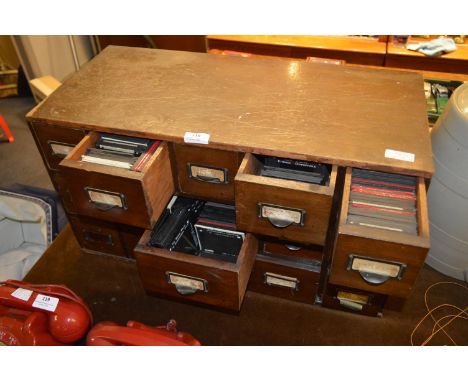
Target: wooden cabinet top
(334, 114)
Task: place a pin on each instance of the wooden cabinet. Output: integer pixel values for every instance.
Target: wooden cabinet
(342, 117)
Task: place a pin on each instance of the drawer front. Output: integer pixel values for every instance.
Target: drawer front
(206, 173)
(286, 214)
(292, 249)
(354, 301)
(376, 266)
(193, 278)
(285, 279)
(104, 197)
(118, 195)
(97, 235)
(55, 142)
(288, 210)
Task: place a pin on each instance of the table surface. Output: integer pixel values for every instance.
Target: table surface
(346, 43)
(335, 114)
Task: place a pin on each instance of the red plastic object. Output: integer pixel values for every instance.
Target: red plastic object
(138, 334)
(23, 324)
(4, 127)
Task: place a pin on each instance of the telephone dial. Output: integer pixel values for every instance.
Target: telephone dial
(32, 314)
(136, 333)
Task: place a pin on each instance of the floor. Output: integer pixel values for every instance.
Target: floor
(113, 290)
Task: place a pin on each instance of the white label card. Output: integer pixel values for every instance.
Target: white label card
(22, 294)
(202, 138)
(400, 155)
(282, 214)
(105, 198)
(279, 280)
(377, 267)
(187, 282)
(46, 302)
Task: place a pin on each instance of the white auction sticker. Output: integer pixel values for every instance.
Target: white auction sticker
(22, 294)
(45, 302)
(202, 138)
(400, 155)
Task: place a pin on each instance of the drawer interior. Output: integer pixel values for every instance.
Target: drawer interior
(251, 169)
(387, 232)
(74, 159)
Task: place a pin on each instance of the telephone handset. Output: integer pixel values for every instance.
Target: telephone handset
(138, 334)
(41, 314)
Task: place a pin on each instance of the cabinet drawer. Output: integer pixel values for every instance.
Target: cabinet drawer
(116, 194)
(352, 300)
(379, 260)
(206, 173)
(292, 250)
(286, 209)
(97, 236)
(55, 142)
(285, 277)
(193, 278)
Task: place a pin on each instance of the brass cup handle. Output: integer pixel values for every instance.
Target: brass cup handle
(279, 223)
(208, 179)
(102, 206)
(374, 278)
(185, 290)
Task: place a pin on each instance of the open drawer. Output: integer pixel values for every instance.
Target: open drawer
(194, 278)
(286, 209)
(116, 194)
(380, 260)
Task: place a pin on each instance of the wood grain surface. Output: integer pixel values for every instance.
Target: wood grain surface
(340, 115)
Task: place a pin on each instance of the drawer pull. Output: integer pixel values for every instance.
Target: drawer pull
(208, 174)
(352, 301)
(273, 279)
(186, 285)
(98, 237)
(293, 247)
(281, 217)
(105, 200)
(375, 272)
(60, 149)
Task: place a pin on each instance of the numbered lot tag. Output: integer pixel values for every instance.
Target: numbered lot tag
(202, 138)
(46, 302)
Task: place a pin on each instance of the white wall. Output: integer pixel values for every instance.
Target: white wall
(51, 55)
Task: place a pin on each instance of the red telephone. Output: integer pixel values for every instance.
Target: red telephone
(136, 333)
(41, 314)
